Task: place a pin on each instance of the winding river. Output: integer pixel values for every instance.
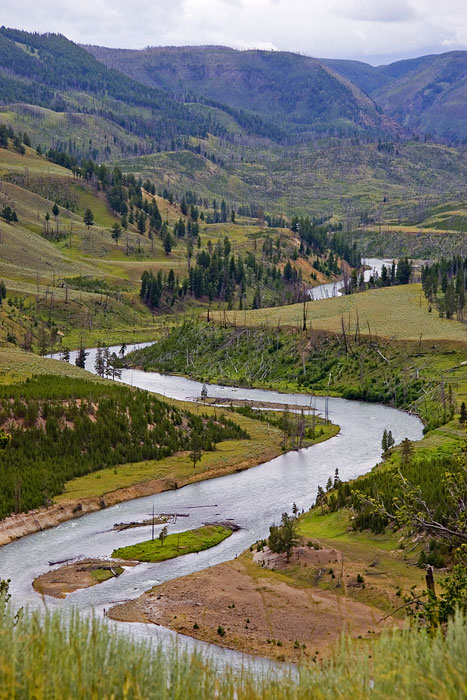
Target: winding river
(254, 499)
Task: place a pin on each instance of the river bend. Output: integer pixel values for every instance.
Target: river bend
(254, 499)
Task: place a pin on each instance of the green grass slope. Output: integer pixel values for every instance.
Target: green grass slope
(392, 312)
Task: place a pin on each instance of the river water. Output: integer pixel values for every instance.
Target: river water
(333, 289)
(254, 499)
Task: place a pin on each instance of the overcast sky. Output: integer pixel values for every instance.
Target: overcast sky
(376, 31)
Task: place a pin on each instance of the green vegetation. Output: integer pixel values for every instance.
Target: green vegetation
(450, 277)
(299, 429)
(101, 575)
(415, 375)
(425, 469)
(39, 654)
(171, 546)
(177, 470)
(61, 430)
(284, 537)
(201, 70)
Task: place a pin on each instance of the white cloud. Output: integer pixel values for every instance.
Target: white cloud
(383, 11)
(374, 30)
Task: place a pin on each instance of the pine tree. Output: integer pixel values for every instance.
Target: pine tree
(195, 453)
(142, 223)
(320, 496)
(384, 441)
(99, 362)
(65, 355)
(168, 243)
(463, 414)
(81, 357)
(116, 232)
(284, 537)
(406, 451)
(88, 218)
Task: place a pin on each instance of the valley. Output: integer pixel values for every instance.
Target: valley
(233, 372)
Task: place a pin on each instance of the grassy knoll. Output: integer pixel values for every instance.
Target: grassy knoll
(17, 366)
(383, 557)
(392, 312)
(174, 545)
(46, 127)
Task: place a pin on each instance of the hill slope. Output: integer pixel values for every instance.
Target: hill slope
(293, 90)
(427, 94)
(53, 72)
(432, 98)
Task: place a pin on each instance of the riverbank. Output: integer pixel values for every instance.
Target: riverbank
(108, 487)
(260, 604)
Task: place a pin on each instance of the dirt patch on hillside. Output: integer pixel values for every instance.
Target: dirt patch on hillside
(79, 574)
(246, 606)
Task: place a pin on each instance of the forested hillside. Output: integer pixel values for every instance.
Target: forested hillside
(50, 71)
(427, 95)
(268, 130)
(53, 430)
(298, 93)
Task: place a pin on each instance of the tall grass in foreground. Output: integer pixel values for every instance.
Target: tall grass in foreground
(49, 656)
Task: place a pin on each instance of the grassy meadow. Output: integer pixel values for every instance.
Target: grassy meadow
(400, 313)
(49, 657)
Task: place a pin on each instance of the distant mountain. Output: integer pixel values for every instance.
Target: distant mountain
(431, 97)
(50, 71)
(367, 78)
(295, 92)
(427, 94)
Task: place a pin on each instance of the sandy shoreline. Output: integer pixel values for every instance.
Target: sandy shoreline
(75, 575)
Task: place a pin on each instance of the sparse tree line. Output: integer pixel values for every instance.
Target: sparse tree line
(349, 364)
(445, 286)
(60, 428)
(418, 495)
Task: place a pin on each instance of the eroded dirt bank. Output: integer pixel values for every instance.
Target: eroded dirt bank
(16, 526)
